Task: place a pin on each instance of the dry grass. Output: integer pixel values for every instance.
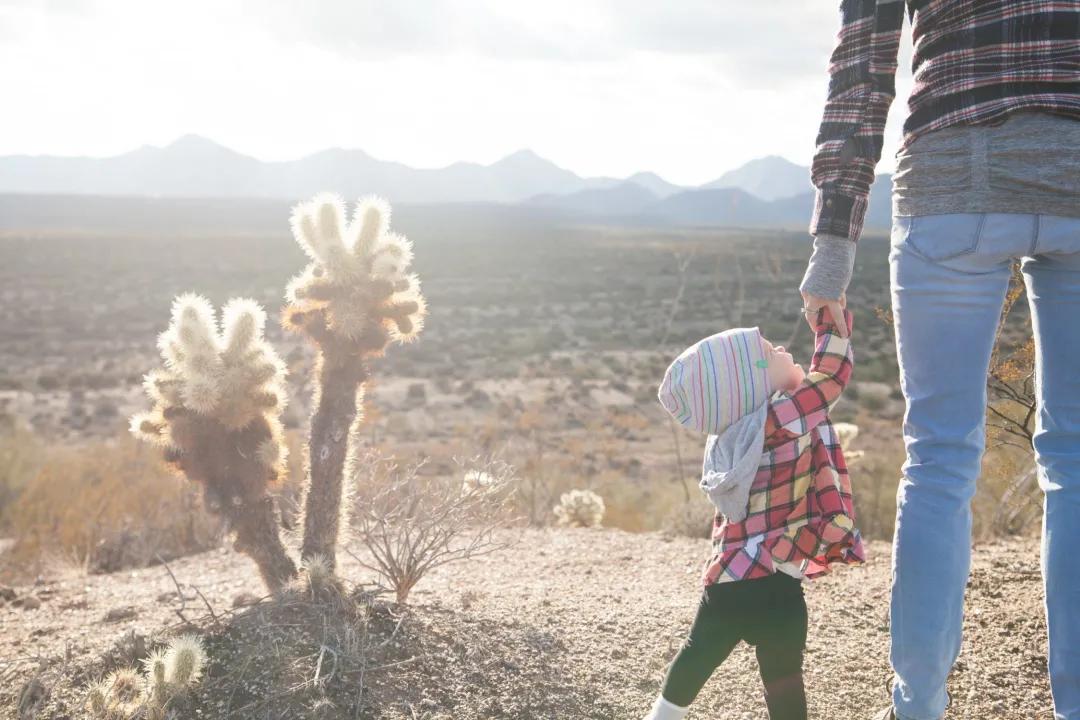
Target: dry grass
(105, 507)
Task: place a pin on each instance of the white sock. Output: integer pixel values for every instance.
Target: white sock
(664, 710)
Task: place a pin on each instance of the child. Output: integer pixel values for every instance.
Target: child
(774, 470)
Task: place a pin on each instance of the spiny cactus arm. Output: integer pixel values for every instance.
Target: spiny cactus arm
(184, 660)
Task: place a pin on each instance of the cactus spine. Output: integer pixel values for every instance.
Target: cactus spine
(352, 301)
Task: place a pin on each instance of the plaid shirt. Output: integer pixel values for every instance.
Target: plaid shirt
(975, 61)
(800, 518)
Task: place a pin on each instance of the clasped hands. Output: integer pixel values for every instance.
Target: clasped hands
(813, 303)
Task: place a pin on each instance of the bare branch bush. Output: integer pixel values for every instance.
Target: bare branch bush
(1011, 415)
(411, 522)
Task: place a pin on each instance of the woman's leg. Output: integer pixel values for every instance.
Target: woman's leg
(949, 277)
(713, 635)
(1053, 285)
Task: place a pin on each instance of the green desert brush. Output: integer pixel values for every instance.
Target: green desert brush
(217, 407)
(353, 299)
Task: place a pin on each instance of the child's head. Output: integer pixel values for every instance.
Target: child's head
(725, 377)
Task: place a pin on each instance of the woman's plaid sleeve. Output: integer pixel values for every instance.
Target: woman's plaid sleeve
(862, 85)
(796, 413)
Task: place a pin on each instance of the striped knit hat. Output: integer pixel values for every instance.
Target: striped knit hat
(717, 381)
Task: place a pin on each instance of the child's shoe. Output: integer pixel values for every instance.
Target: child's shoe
(665, 710)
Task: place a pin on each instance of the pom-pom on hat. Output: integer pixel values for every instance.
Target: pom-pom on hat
(717, 381)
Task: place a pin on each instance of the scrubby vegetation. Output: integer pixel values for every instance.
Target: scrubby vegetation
(543, 348)
(105, 507)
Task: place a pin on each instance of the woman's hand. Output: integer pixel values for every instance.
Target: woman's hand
(812, 303)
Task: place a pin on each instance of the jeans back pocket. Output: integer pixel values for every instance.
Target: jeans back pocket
(939, 237)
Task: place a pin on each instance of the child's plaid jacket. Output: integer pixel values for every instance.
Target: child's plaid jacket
(800, 518)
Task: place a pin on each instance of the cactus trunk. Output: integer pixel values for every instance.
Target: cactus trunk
(257, 536)
(337, 408)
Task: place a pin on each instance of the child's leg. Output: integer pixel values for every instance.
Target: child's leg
(713, 636)
(779, 642)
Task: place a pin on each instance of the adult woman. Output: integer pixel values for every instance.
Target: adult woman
(988, 171)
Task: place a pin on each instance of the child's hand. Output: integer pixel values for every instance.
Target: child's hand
(812, 303)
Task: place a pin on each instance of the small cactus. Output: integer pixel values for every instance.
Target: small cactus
(157, 689)
(352, 301)
(846, 433)
(184, 661)
(580, 508)
(478, 481)
(216, 414)
(97, 699)
(123, 693)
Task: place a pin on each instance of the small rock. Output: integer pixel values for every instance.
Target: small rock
(31, 699)
(7, 594)
(120, 613)
(27, 602)
(245, 598)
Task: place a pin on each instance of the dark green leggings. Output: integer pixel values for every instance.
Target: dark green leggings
(768, 613)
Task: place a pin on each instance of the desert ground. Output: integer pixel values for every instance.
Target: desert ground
(564, 623)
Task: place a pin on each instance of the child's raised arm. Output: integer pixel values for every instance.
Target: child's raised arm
(796, 413)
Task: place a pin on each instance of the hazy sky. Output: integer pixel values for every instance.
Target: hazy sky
(687, 88)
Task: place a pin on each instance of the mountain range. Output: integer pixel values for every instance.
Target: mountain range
(768, 191)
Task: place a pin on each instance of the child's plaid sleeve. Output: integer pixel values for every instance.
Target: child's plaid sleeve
(794, 414)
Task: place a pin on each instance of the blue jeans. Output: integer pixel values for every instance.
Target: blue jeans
(949, 277)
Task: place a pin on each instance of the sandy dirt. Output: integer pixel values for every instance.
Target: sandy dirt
(566, 623)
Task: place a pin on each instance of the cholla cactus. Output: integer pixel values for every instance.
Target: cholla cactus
(118, 696)
(184, 661)
(478, 481)
(580, 508)
(352, 301)
(124, 694)
(157, 686)
(845, 435)
(217, 408)
(97, 699)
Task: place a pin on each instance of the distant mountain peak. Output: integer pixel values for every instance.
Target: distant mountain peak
(192, 141)
(523, 154)
(770, 178)
(524, 158)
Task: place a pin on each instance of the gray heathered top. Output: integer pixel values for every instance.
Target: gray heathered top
(1029, 163)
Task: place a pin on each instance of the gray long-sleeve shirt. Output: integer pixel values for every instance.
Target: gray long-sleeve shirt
(1027, 163)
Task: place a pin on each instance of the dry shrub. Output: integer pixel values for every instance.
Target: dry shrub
(411, 522)
(691, 519)
(108, 506)
(1008, 500)
(21, 457)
